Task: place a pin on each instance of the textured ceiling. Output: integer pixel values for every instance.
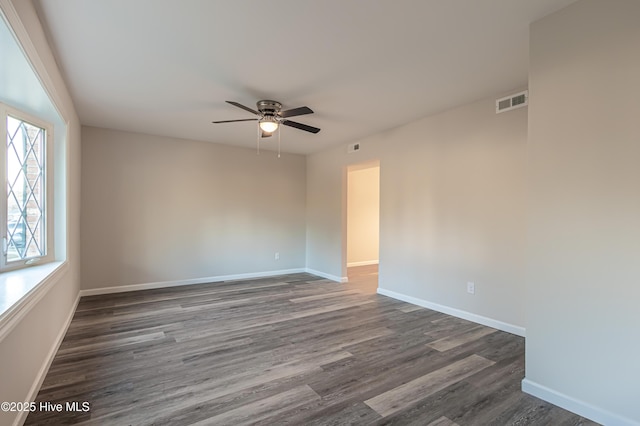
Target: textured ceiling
(166, 67)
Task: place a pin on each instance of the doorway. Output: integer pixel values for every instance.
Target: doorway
(363, 226)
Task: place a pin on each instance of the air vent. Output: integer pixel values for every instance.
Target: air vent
(512, 102)
(353, 148)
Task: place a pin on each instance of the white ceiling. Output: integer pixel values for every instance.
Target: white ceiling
(165, 67)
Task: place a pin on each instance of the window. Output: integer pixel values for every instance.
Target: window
(26, 206)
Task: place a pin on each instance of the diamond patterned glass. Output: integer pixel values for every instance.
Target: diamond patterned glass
(25, 190)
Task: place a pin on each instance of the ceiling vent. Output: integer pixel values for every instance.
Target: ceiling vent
(508, 103)
(353, 148)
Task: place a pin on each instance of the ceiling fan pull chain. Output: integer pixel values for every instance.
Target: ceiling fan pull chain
(278, 141)
(258, 141)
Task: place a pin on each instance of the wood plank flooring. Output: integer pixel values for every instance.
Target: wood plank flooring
(286, 350)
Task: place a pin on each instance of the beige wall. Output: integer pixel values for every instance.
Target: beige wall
(583, 252)
(363, 215)
(159, 209)
(451, 209)
(26, 351)
(326, 180)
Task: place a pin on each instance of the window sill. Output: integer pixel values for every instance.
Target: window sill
(20, 290)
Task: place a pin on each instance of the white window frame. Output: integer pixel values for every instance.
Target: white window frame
(49, 256)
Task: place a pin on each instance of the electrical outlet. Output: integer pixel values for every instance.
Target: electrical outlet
(277, 256)
(471, 288)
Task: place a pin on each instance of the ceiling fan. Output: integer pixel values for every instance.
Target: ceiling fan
(271, 116)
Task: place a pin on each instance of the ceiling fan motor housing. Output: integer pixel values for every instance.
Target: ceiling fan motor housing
(267, 107)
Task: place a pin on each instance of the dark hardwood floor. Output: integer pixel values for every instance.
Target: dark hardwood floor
(287, 350)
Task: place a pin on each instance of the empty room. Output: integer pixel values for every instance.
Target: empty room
(418, 212)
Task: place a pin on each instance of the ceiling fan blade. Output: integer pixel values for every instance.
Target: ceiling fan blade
(296, 111)
(300, 126)
(265, 134)
(233, 121)
(243, 107)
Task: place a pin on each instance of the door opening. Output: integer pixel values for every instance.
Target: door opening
(363, 226)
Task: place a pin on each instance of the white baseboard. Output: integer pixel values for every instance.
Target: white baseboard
(581, 408)
(327, 276)
(362, 263)
(35, 388)
(489, 322)
(205, 280)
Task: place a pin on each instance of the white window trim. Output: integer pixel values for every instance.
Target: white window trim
(22, 289)
(33, 283)
(48, 179)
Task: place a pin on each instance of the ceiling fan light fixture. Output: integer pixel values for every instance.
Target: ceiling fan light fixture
(270, 116)
(268, 124)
